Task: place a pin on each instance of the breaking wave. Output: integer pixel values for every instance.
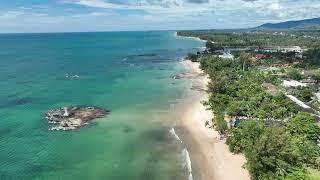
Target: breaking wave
(173, 132)
(187, 162)
(185, 155)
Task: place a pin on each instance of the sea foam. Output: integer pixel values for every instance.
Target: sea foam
(187, 162)
(185, 155)
(173, 132)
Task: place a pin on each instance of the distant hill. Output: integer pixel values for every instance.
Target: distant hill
(299, 25)
(306, 24)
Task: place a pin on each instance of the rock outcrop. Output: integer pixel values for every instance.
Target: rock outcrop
(70, 118)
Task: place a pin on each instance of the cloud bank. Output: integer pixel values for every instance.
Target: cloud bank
(104, 15)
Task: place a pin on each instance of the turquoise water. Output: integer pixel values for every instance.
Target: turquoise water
(126, 72)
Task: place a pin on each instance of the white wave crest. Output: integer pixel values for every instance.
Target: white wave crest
(173, 132)
(187, 162)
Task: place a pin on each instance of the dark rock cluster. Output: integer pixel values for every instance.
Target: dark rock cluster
(70, 118)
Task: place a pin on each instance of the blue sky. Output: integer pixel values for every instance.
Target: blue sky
(120, 15)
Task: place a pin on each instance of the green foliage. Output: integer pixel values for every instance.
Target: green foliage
(272, 157)
(305, 133)
(298, 174)
(244, 59)
(306, 94)
(192, 57)
(255, 39)
(236, 108)
(243, 139)
(306, 150)
(316, 75)
(294, 74)
(311, 57)
(314, 173)
(220, 124)
(239, 92)
(277, 142)
(271, 152)
(303, 124)
(212, 47)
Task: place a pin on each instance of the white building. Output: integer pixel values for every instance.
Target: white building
(293, 83)
(296, 49)
(283, 49)
(226, 55)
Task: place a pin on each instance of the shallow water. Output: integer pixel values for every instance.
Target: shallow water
(126, 72)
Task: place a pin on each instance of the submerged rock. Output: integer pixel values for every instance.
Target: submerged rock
(185, 76)
(72, 76)
(70, 118)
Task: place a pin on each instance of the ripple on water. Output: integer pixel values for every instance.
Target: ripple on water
(15, 102)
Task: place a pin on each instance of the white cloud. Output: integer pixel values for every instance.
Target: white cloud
(275, 7)
(99, 4)
(91, 14)
(11, 14)
(150, 6)
(155, 14)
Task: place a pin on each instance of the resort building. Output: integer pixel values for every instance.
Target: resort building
(226, 55)
(283, 49)
(296, 49)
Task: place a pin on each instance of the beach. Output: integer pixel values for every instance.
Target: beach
(190, 37)
(210, 157)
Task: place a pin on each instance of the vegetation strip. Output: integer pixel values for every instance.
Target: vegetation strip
(250, 103)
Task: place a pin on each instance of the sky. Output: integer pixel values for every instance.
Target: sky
(135, 15)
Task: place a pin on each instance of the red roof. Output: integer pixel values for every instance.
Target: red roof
(296, 62)
(260, 56)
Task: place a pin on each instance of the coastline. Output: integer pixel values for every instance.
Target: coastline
(190, 37)
(210, 156)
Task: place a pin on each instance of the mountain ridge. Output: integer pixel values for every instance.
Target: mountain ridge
(305, 24)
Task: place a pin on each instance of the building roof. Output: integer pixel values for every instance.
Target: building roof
(293, 83)
(260, 56)
(308, 81)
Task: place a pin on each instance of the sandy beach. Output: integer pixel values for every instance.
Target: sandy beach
(211, 159)
(194, 38)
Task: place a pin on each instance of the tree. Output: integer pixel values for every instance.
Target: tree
(209, 45)
(236, 108)
(192, 57)
(294, 74)
(303, 124)
(218, 102)
(306, 150)
(297, 174)
(306, 94)
(244, 137)
(244, 58)
(316, 75)
(272, 156)
(220, 124)
(276, 145)
(311, 57)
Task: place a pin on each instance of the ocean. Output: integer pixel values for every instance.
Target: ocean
(129, 73)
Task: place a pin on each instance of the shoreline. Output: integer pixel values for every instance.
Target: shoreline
(189, 37)
(210, 156)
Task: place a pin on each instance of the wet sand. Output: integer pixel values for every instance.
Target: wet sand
(211, 159)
